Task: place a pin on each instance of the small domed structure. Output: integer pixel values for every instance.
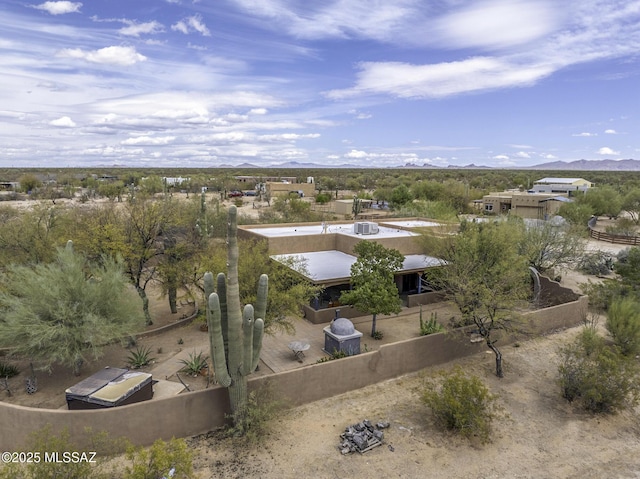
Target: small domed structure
(342, 327)
(341, 336)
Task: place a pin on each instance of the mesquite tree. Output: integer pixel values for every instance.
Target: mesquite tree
(235, 334)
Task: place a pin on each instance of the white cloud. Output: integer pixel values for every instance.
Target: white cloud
(258, 111)
(59, 8)
(501, 157)
(405, 80)
(605, 150)
(548, 156)
(377, 19)
(288, 137)
(189, 24)
(497, 23)
(122, 56)
(134, 29)
(523, 154)
(610, 132)
(64, 122)
(149, 141)
(585, 134)
(356, 154)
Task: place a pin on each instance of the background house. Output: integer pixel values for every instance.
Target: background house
(539, 206)
(566, 186)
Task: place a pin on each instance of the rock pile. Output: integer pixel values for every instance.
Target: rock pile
(362, 437)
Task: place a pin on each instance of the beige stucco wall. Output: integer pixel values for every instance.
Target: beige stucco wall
(276, 189)
(201, 411)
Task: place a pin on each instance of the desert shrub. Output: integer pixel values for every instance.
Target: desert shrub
(431, 326)
(8, 370)
(323, 198)
(597, 377)
(597, 263)
(263, 409)
(163, 459)
(601, 295)
(462, 404)
(623, 322)
(55, 444)
(335, 354)
(622, 227)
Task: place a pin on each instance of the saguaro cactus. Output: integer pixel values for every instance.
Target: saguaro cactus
(235, 336)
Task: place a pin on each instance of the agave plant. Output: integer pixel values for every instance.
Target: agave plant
(195, 364)
(140, 357)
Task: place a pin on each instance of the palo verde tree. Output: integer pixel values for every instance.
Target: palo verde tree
(374, 289)
(486, 276)
(61, 311)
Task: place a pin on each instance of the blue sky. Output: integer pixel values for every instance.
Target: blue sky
(184, 83)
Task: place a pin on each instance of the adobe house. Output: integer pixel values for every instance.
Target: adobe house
(539, 206)
(323, 254)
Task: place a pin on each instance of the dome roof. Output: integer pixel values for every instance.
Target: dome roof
(342, 327)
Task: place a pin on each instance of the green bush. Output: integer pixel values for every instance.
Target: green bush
(323, 198)
(431, 326)
(159, 460)
(263, 409)
(623, 322)
(462, 404)
(596, 263)
(8, 370)
(46, 441)
(597, 377)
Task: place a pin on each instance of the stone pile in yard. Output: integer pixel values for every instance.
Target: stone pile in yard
(362, 437)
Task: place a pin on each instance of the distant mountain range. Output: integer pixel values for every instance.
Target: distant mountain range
(578, 165)
(586, 165)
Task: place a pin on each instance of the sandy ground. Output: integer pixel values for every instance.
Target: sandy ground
(538, 436)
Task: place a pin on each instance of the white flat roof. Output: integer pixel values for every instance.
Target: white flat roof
(345, 229)
(334, 265)
(412, 223)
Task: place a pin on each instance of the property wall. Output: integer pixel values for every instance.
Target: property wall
(424, 298)
(201, 411)
(326, 315)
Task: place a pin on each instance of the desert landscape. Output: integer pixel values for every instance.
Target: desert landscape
(537, 435)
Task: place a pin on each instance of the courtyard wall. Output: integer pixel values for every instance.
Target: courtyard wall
(202, 411)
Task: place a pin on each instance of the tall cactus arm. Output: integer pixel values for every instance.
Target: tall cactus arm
(216, 342)
(258, 332)
(208, 287)
(247, 339)
(221, 282)
(261, 300)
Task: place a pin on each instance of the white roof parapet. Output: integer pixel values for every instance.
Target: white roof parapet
(559, 181)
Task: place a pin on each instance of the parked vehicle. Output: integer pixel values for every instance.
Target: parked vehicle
(250, 193)
(234, 194)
